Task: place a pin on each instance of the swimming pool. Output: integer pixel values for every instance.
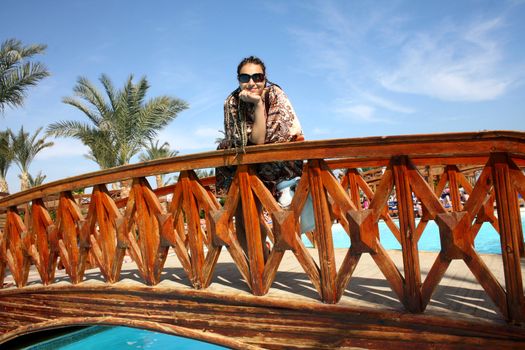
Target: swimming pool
(487, 240)
(119, 338)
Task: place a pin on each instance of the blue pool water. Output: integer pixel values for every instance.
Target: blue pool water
(487, 240)
(120, 338)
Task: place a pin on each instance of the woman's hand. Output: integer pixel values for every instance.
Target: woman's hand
(250, 97)
(258, 134)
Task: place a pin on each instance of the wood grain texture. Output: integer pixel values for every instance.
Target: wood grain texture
(280, 320)
(57, 237)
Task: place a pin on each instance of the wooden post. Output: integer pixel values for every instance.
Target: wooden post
(455, 196)
(252, 230)
(16, 253)
(323, 232)
(352, 175)
(194, 232)
(43, 252)
(71, 249)
(509, 228)
(412, 286)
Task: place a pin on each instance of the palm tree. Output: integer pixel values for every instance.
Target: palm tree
(25, 149)
(153, 151)
(120, 127)
(16, 73)
(6, 157)
(35, 181)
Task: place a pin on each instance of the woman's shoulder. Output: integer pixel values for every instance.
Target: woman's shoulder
(275, 91)
(274, 88)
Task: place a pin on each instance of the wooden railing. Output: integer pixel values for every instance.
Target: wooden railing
(105, 230)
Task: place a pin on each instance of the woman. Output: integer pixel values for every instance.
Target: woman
(258, 112)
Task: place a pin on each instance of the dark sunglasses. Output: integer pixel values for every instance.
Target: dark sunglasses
(245, 78)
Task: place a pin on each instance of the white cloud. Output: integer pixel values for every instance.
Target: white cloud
(387, 104)
(190, 141)
(362, 112)
(359, 113)
(452, 59)
(457, 63)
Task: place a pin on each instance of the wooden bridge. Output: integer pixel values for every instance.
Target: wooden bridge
(149, 260)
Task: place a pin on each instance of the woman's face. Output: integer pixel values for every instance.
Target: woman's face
(250, 77)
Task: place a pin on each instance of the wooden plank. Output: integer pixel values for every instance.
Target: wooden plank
(432, 145)
(308, 264)
(252, 230)
(71, 253)
(280, 323)
(3, 258)
(301, 192)
(168, 233)
(148, 232)
(510, 229)
(352, 176)
(323, 232)
(480, 191)
(488, 282)
(337, 192)
(384, 214)
(270, 269)
(452, 172)
(518, 182)
(210, 263)
(16, 256)
(412, 292)
(264, 195)
(345, 271)
(104, 236)
(424, 192)
(383, 192)
(191, 212)
(173, 302)
(47, 254)
(99, 257)
(435, 275)
(390, 271)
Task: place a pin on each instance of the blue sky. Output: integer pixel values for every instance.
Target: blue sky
(350, 68)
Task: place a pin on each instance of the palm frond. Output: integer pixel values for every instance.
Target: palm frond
(110, 90)
(87, 91)
(122, 127)
(69, 128)
(153, 151)
(26, 147)
(92, 115)
(17, 74)
(6, 152)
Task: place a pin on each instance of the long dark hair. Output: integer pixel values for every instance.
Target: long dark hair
(253, 60)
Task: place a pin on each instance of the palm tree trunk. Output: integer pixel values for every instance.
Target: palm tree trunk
(24, 181)
(3, 185)
(125, 188)
(158, 179)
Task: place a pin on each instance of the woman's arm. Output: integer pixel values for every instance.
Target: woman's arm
(258, 134)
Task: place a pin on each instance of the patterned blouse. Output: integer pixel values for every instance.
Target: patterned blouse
(282, 125)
